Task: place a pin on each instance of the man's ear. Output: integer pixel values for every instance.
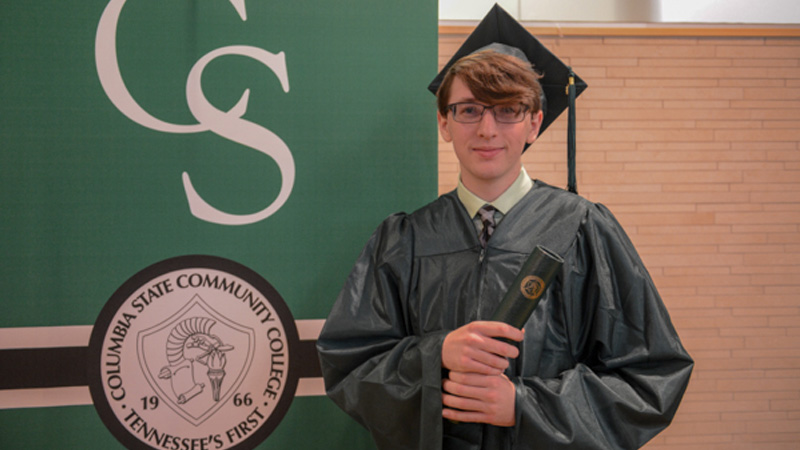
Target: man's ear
(443, 127)
(536, 124)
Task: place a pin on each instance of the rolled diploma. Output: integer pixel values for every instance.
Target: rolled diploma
(528, 287)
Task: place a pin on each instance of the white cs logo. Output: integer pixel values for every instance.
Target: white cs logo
(228, 124)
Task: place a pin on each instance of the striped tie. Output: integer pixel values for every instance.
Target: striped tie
(486, 214)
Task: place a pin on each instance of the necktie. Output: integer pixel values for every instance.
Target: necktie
(486, 214)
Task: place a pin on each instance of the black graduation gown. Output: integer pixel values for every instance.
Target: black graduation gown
(601, 366)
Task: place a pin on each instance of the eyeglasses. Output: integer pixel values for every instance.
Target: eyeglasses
(466, 112)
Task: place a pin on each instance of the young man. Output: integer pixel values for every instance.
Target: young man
(407, 349)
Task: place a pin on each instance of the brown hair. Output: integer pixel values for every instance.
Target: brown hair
(493, 78)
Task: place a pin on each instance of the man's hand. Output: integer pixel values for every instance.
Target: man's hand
(476, 390)
(475, 347)
(474, 397)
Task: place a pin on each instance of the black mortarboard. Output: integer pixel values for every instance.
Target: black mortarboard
(560, 85)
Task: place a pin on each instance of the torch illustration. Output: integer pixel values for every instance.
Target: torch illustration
(216, 371)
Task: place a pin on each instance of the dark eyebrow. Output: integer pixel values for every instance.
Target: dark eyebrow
(467, 100)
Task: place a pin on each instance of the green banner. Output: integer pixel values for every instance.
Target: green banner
(184, 187)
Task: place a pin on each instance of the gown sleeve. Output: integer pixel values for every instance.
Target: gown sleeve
(375, 368)
(629, 369)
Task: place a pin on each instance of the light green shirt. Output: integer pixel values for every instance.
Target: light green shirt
(503, 204)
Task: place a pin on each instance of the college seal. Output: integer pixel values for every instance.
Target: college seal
(532, 287)
(193, 353)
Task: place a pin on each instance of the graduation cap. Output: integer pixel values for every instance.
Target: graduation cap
(560, 86)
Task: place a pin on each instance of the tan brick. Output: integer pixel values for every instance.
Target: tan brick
(737, 445)
(648, 124)
(757, 218)
(651, 83)
(666, 177)
(730, 295)
(689, 406)
(647, 42)
(697, 321)
(771, 342)
(760, 385)
(765, 62)
(785, 405)
(696, 151)
(700, 104)
(677, 239)
(763, 104)
(580, 62)
(694, 259)
(728, 343)
(782, 273)
(668, 93)
(662, 113)
(744, 299)
(718, 41)
(771, 395)
(756, 52)
(749, 82)
(697, 187)
(773, 259)
(750, 249)
(778, 124)
(729, 207)
(735, 124)
(773, 426)
(626, 51)
(766, 354)
(771, 114)
(787, 135)
(794, 165)
(792, 291)
(686, 62)
(752, 331)
(771, 440)
(751, 166)
(784, 238)
(700, 442)
(760, 310)
(621, 207)
(758, 416)
(782, 373)
(768, 279)
(764, 228)
(791, 321)
(771, 176)
(590, 104)
(701, 281)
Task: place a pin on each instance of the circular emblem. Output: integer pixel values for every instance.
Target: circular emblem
(532, 287)
(193, 352)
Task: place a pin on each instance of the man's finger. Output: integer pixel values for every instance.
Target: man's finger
(498, 330)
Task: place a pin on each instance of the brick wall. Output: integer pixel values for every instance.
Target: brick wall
(694, 143)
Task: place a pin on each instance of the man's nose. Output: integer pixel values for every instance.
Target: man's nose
(488, 125)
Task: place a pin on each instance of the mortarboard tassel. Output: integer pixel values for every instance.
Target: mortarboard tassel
(572, 184)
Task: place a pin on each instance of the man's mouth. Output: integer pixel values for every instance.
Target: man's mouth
(487, 151)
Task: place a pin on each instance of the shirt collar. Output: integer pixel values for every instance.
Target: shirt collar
(504, 203)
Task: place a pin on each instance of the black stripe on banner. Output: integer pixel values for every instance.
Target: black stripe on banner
(308, 360)
(43, 367)
(31, 368)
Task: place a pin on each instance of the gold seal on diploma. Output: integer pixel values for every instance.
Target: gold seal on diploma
(532, 287)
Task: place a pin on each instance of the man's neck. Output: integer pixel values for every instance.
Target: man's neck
(491, 190)
(518, 189)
